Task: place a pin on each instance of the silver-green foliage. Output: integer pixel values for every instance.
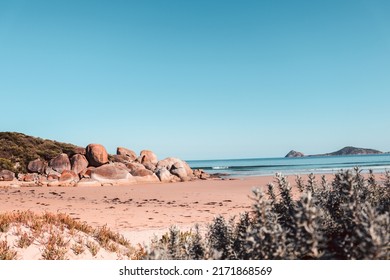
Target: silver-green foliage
(348, 218)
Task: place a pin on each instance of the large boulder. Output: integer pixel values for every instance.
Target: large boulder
(36, 166)
(79, 163)
(6, 175)
(60, 163)
(177, 167)
(147, 156)
(96, 155)
(110, 172)
(129, 154)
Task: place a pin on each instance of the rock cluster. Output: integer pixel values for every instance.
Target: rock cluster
(93, 166)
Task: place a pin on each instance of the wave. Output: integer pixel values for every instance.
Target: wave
(294, 166)
(218, 167)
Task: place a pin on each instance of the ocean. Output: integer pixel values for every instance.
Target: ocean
(291, 166)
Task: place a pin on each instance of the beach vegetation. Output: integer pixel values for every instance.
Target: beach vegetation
(6, 253)
(93, 247)
(78, 248)
(59, 236)
(348, 218)
(18, 149)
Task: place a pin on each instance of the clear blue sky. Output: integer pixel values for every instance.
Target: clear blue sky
(198, 79)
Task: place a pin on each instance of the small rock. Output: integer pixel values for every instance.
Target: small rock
(6, 175)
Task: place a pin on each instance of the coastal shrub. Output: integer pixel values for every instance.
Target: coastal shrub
(347, 218)
(17, 150)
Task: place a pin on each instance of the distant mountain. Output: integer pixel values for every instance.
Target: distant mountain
(349, 150)
(353, 151)
(293, 153)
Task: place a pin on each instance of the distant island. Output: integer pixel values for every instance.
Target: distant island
(349, 150)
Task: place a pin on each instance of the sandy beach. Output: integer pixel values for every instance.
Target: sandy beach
(142, 210)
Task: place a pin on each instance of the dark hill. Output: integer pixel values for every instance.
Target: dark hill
(18, 149)
(349, 150)
(353, 151)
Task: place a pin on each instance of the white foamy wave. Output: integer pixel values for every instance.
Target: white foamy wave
(220, 167)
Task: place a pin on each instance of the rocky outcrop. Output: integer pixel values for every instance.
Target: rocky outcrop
(293, 153)
(36, 166)
(96, 155)
(60, 163)
(6, 175)
(110, 172)
(126, 153)
(93, 164)
(79, 163)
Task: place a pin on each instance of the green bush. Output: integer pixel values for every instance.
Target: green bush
(17, 149)
(347, 219)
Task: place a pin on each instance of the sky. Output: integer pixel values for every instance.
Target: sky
(198, 79)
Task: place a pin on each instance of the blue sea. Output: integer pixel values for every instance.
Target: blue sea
(288, 166)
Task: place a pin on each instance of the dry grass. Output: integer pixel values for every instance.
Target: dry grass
(6, 253)
(78, 249)
(93, 247)
(61, 237)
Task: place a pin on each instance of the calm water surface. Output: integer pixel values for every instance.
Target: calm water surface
(315, 164)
